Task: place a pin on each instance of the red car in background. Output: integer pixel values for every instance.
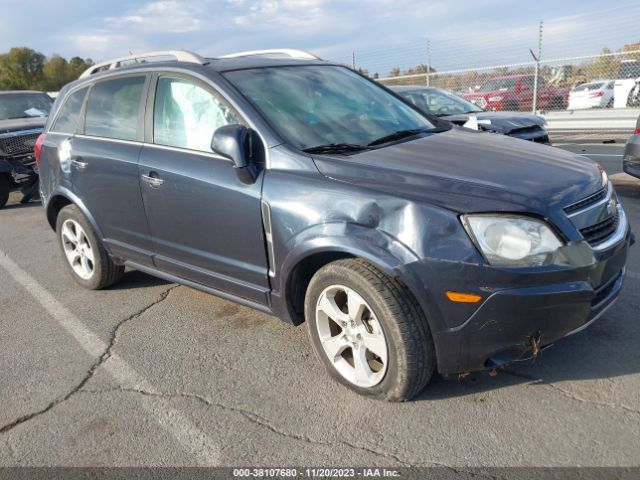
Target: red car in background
(515, 92)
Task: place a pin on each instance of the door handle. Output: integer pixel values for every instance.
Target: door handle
(78, 165)
(152, 179)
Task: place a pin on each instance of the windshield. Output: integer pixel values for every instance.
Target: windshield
(439, 102)
(499, 84)
(319, 105)
(24, 105)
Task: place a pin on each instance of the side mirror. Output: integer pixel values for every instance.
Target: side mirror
(524, 87)
(243, 147)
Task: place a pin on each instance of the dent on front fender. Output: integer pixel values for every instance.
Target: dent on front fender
(311, 213)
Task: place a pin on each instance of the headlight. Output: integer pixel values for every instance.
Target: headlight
(497, 98)
(512, 241)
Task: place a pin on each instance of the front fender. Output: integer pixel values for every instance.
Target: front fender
(353, 240)
(372, 244)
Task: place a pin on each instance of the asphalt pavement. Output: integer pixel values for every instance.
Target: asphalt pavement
(151, 373)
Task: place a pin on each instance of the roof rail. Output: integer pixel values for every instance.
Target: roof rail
(179, 55)
(288, 52)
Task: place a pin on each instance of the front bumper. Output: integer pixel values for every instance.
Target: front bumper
(522, 310)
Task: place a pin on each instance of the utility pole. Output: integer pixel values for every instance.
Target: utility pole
(537, 58)
(428, 62)
(353, 59)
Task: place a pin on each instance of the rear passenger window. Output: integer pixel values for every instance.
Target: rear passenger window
(186, 115)
(69, 119)
(113, 108)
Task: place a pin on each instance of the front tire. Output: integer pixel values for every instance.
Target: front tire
(368, 331)
(4, 190)
(85, 256)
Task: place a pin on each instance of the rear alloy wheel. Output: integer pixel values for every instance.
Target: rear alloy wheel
(4, 190)
(77, 249)
(88, 261)
(368, 331)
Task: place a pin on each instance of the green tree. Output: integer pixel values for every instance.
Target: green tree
(24, 68)
(77, 65)
(21, 68)
(55, 71)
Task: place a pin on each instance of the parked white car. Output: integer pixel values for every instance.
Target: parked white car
(597, 94)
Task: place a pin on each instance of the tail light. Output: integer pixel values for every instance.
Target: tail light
(599, 93)
(37, 148)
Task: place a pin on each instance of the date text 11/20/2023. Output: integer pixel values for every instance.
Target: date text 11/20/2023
(315, 473)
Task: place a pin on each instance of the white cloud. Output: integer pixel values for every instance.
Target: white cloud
(168, 16)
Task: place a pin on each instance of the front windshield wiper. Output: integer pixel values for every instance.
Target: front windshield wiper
(336, 148)
(397, 136)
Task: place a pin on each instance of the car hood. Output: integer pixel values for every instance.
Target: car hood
(17, 124)
(503, 122)
(469, 171)
(485, 93)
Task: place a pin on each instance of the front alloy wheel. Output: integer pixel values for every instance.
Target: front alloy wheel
(368, 330)
(351, 336)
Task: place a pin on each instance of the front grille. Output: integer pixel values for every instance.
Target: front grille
(586, 202)
(18, 144)
(601, 231)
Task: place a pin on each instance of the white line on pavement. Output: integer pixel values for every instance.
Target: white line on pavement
(190, 437)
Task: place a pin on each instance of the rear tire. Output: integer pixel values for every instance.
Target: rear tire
(369, 309)
(4, 190)
(84, 255)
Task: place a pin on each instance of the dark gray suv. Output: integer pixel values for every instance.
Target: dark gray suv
(307, 191)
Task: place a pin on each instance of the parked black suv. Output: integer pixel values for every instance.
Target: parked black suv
(22, 118)
(304, 190)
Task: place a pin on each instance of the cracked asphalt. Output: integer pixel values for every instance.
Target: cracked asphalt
(149, 373)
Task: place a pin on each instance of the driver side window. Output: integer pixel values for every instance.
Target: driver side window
(186, 115)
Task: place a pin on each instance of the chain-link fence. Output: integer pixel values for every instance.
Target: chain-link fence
(542, 68)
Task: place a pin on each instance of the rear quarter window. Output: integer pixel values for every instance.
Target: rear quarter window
(113, 108)
(68, 120)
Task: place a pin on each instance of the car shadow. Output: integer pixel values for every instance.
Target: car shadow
(136, 279)
(17, 206)
(605, 350)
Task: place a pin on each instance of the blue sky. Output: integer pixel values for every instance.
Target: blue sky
(383, 33)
